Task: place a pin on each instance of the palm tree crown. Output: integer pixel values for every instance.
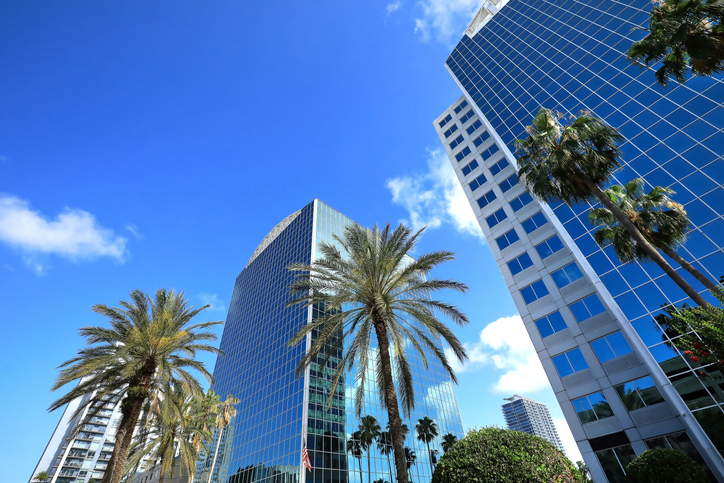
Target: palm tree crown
(663, 222)
(427, 432)
(372, 288)
(41, 476)
(226, 413)
(150, 344)
(369, 431)
(448, 441)
(683, 35)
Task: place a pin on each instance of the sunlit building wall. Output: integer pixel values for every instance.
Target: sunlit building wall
(278, 411)
(621, 385)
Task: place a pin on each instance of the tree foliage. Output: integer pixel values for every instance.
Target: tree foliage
(683, 35)
(664, 466)
(495, 454)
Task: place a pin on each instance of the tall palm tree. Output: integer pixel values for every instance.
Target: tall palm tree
(369, 431)
(372, 288)
(448, 441)
(572, 162)
(355, 448)
(410, 458)
(683, 35)
(426, 433)
(226, 413)
(663, 228)
(41, 476)
(150, 344)
(384, 446)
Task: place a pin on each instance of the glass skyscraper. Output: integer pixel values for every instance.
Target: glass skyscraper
(621, 385)
(278, 411)
(532, 417)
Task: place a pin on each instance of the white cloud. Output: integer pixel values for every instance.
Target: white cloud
(505, 345)
(569, 444)
(133, 228)
(212, 299)
(74, 234)
(435, 197)
(446, 19)
(393, 7)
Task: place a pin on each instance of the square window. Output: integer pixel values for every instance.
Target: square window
(609, 347)
(466, 117)
(447, 119)
(521, 201)
(550, 324)
(456, 142)
(570, 362)
(534, 291)
(507, 239)
(474, 127)
(488, 153)
(567, 275)
(549, 247)
(586, 308)
(496, 218)
(461, 155)
(534, 222)
(481, 139)
(449, 132)
(519, 264)
(470, 167)
(509, 182)
(484, 200)
(461, 106)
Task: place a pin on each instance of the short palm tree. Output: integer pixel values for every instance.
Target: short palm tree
(426, 433)
(448, 441)
(384, 446)
(150, 344)
(683, 35)
(226, 413)
(372, 288)
(369, 431)
(572, 162)
(355, 448)
(663, 228)
(41, 476)
(410, 458)
(205, 408)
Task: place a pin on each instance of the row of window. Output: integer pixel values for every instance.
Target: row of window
(466, 117)
(634, 395)
(606, 348)
(582, 310)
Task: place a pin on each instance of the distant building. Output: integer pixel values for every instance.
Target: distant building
(528, 416)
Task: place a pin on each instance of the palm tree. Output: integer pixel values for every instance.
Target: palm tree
(664, 229)
(384, 446)
(171, 431)
(369, 431)
(448, 441)
(410, 458)
(150, 344)
(227, 411)
(571, 162)
(403, 428)
(372, 287)
(426, 432)
(41, 476)
(683, 35)
(355, 447)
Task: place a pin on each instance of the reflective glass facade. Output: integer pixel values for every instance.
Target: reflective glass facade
(278, 411)
(570, 56)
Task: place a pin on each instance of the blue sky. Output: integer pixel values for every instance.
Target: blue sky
(154, 144)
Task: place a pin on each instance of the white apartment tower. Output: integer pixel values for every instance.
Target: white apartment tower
(528, 416)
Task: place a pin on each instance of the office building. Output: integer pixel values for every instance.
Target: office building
(528, 416)
(621, 385)
(279, 413)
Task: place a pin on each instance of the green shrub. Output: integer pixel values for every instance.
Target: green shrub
(499, 455)
(664, 466)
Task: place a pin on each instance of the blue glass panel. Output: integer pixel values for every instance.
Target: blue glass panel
(578, 362)
(563, 365)
(603, 350)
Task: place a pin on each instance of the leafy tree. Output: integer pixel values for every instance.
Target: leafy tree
(584, 472)
(664, 466)
(495, 454)
(426, 433)
(150, 344)
(226, 413)
(663, 228)
(369, 286)
(410, 458)
(572, 162)
(683, 35)
(448, 441)
(355, 448)
(41, 476)
(369, 431)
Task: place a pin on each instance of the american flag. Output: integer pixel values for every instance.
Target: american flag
(305, 459)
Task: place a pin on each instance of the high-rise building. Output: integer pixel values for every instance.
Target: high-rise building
(279, 412)
(622, 386)
(528, 416)
(77, 455)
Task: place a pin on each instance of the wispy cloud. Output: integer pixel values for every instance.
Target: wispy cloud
(435, 197)
(217, 305)
(505, 345)
(133, 228)
(445, 19)
(74, 234)
(393, 7)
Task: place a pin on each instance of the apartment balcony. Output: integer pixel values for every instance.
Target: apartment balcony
(68, 473)
(72, 464)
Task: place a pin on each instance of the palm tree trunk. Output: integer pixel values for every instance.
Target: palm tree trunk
(369, 467)
(689, 268)
(359, 462)
(216, 453)
(393, 410)
(651, 252)
(429, 455)
(124, 436)
(162, 475)
(389, 465)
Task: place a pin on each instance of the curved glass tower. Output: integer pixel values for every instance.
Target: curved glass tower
(621, 385)
(280, 413)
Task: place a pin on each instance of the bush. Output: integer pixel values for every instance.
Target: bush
(500, 455)
(664, 466)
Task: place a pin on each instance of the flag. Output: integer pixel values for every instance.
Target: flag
(305, 459)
